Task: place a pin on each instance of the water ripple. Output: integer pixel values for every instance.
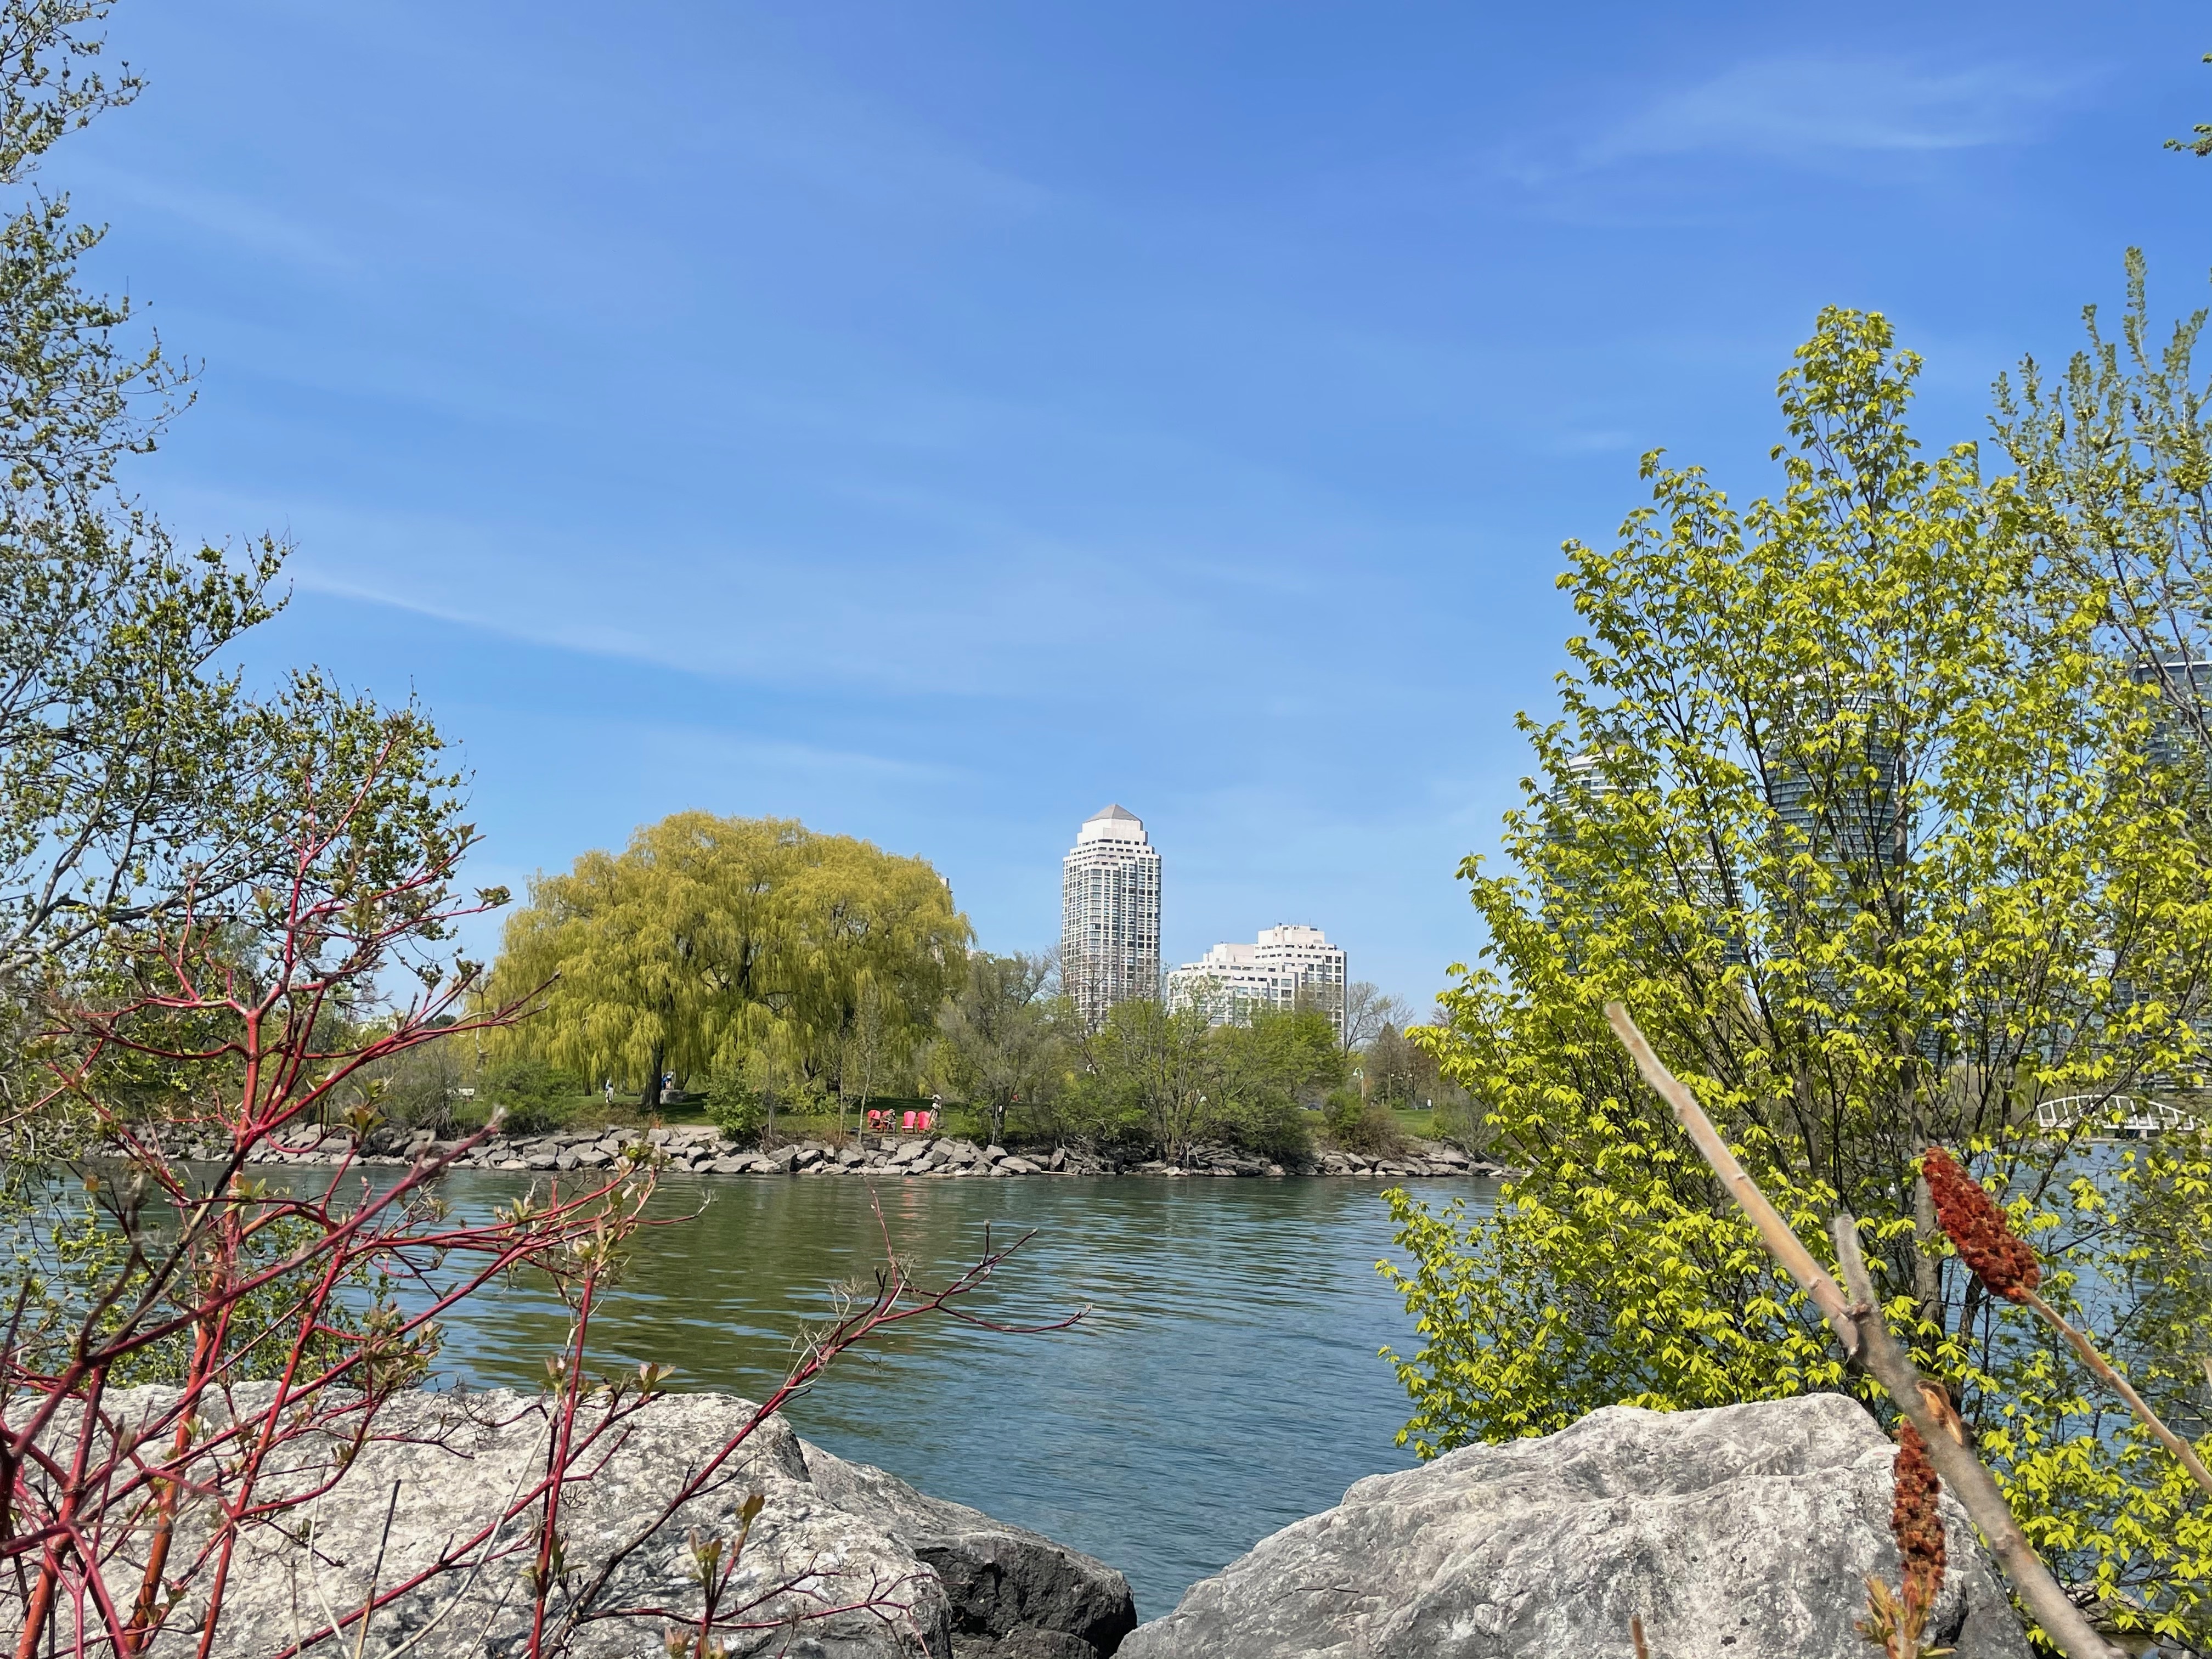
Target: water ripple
(1224, 1385)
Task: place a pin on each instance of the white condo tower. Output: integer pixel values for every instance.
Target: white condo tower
(1110, 913)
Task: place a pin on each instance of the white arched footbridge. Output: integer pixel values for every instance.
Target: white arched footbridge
(2127, 1115)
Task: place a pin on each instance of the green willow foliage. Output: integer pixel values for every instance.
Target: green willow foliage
(713, 945)
(1851, 807)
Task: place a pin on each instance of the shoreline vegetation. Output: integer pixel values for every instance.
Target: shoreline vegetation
(703, 1150)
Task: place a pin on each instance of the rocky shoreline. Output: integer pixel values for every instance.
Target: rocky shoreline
(846, 1561)
(706, 1152)
(1743, 1531)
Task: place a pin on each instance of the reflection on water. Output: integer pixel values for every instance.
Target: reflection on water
(1224, 1385)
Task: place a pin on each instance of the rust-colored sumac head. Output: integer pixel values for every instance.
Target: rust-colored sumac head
(1978, 1229)
(1914, 1520)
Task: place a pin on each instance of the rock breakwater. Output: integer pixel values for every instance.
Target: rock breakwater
(703, 1150)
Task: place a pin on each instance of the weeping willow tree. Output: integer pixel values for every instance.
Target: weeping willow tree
(742, 946)
(1851, 803)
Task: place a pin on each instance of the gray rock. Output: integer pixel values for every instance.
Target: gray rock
(917, 1577)
(1743, 1533)
(1018, 1166)
(1013, 1592)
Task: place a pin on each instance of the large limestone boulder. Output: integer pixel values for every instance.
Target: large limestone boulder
(898, 1573)
(1743, 1533)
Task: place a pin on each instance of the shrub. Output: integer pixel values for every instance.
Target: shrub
(1274, 1125)
(536, 1096)
(735, 1107)
(1365, 1127)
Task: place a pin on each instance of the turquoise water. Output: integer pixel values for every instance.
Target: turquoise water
(1224, 1382)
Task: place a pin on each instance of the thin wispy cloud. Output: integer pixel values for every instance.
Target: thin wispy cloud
(1808, 110)
(253, 227)
(844, 148)
(618, 643)
(696, 748)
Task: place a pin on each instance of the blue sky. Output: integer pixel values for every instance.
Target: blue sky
(934, 422)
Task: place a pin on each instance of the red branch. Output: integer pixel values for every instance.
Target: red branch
(244, 1277)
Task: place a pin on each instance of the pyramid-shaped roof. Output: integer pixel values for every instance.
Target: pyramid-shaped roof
(1113, 812)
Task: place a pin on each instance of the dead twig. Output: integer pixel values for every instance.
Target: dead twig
(1876, 1350)
(2183, 1451)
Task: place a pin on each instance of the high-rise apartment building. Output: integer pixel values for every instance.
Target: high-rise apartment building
(1110, 913)
(2184, 687)
(1286, 967)
(1849, 810)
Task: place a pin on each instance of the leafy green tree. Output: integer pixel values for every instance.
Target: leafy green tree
(1850, 805)
(872, 1051)
(738, 1103)
(1399, 1073)
(1142, 1073)
(999, 1041)
(1168, 1078)
(1363, 1125)
(2113, 460)
(712, 944)
(1267, 1067)
(135, 777)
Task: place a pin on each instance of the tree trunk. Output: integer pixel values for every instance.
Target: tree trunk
(1927, 1268)
(649, 1099)
(1927, 1233)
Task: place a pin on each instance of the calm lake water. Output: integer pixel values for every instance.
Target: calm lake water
(1224, 1385)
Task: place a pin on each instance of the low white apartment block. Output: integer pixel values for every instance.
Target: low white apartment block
(1287, 966)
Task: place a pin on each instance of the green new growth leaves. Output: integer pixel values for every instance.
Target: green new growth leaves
(1853, 800)
(2199, 143)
